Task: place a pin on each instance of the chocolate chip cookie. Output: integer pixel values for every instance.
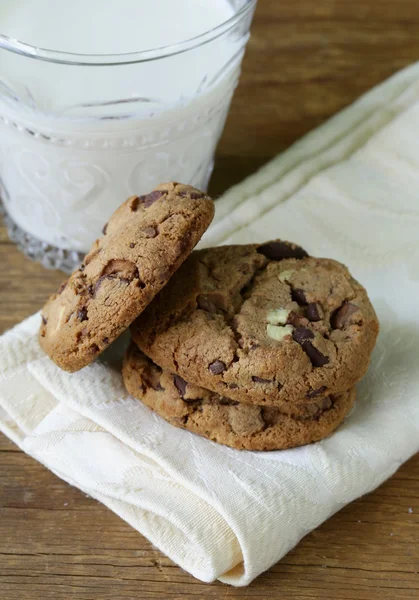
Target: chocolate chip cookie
(262, 324)
(144, 242)
(225, 421)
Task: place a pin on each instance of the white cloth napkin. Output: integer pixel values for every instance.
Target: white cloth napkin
(349, 190)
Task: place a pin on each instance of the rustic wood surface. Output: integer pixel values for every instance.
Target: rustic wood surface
(306, 60)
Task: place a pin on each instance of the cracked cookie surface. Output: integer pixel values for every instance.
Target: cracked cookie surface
(226, 421)
(261, 324)
(144, 242)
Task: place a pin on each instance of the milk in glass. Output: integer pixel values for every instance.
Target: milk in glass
(120, 105)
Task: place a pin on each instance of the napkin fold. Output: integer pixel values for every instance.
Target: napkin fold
(349, 190)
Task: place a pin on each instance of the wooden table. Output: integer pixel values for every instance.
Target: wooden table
(306, 60)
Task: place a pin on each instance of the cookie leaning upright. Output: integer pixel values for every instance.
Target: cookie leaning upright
(262, 324)
(144, 243)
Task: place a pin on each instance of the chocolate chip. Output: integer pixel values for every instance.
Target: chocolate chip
(150, 232)
(299, 296)
(82, 314)
(105, 229)
(44, 321)
(281, 250)
(314, 393)
(82, 267)
(180, 385)
(62, 287)
(233, 386)
(94, 348)
(193, 401)
(106, 340)
(302, 334)
(132, 245)
(342, 315)
(227, 402)
(316, 357)
(312, 312)
(217, 367)
(260, 380)
(134, 203)
(192, 195)
(91, 289)
(151, 198)
(158, 387)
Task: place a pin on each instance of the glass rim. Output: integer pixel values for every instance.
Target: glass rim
(108, 60)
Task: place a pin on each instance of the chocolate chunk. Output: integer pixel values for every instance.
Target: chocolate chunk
(317, 392)
(105, 229)
(150, 232)
(316, 357)
(217, 367)
(82, 314)
(260, 380)
(302, 334)
(94, 348)
(44, 321)
(106, 340)
(82, 267)
(132, 245)
(91, 289)
(299, 296)
(192, 195)
(180, 385)
(342, 315)
(233, 386)
(312, 312)
(151, 198)
(281, 250)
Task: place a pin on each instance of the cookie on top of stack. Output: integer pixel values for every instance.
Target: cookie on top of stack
(258, 346)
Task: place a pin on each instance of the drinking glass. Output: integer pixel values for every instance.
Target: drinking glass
(80, 133)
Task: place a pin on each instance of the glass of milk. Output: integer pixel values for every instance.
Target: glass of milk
(102, 100)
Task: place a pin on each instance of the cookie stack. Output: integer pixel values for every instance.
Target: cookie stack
(257, 346)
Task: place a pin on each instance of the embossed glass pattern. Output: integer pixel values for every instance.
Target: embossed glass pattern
(69, 159)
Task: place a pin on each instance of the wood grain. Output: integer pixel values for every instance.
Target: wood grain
(306, 60)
